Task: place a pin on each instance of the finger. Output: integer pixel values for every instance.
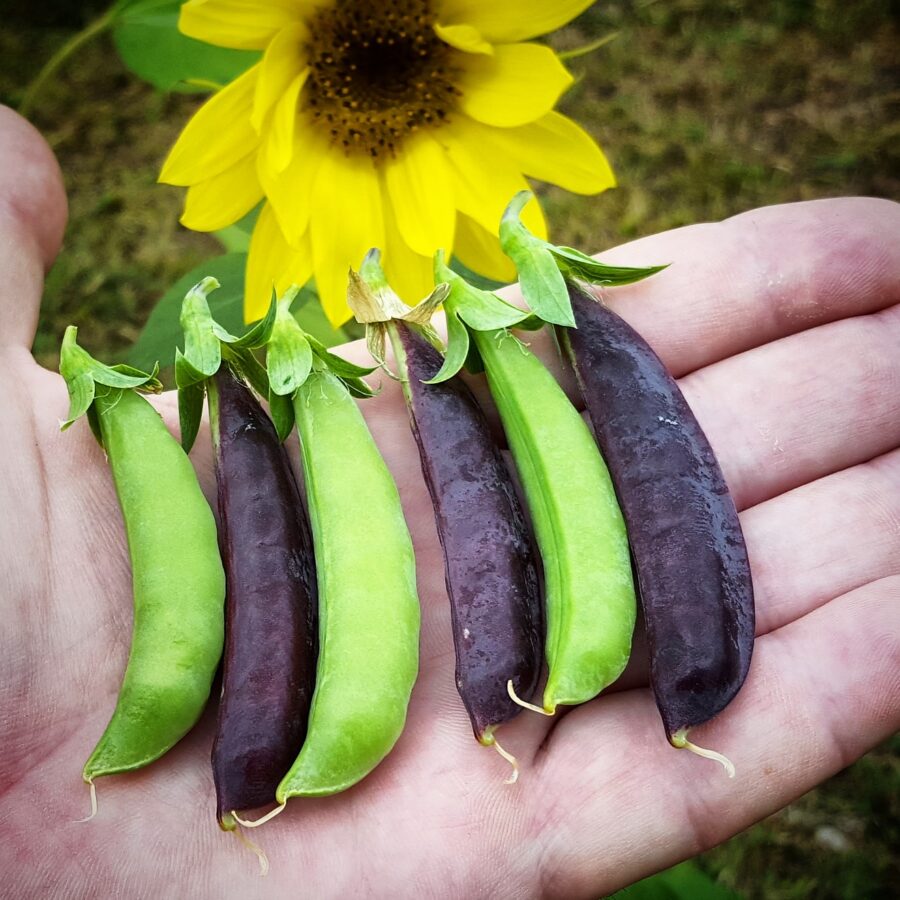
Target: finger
(821, 692)
(811, 545)
(823, 540)
(760, 276)
(802, 407)
(32, 220)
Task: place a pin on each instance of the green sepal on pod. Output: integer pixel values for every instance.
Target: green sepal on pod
(206, 344)
(544, 268)
(82, 374)
(291, 354)
(468, 307)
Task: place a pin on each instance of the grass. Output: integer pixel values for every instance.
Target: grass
(705, 107)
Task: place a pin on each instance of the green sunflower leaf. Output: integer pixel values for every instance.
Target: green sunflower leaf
(146, 35)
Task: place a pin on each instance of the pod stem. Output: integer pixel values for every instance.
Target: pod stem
(679, 741)
(255, 849)
(93, 787)
(489, 740)
(524, 703)
(257, 822)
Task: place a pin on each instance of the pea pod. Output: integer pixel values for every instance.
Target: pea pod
(271, 641)
(369, 637)
(179, 584)
(689, 552)
(270, 621)
(368, 606)
(590, 598)
(489, 560)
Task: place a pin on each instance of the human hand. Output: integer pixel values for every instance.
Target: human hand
(783, 326)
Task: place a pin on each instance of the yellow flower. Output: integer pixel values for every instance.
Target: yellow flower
(402, 124)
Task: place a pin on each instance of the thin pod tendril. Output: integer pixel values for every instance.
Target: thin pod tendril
(679, 740)
(510, 689)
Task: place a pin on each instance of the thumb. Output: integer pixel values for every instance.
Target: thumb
(32, 220)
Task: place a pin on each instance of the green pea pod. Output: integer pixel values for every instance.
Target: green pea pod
(179, 583)
(368, 605)
(369, 634)
(590, 597)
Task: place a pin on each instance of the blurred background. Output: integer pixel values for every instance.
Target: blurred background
(706, 108)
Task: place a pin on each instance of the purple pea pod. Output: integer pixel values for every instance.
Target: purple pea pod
(490, 570)
(489, 558)
(271, 603)
(689, 553)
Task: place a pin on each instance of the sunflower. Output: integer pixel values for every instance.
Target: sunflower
(402, 124)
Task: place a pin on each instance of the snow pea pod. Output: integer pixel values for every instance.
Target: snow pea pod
(179, 586)
(590, 599)
(368, 605)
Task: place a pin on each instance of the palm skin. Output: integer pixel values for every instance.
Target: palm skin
(783, 327)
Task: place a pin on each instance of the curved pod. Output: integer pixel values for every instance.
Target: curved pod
(270, 634)
(368, 606)
(490, 570)
(590, 599)
(179, 587)
(689, 552)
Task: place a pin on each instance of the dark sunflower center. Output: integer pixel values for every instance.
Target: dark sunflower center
(377, 73)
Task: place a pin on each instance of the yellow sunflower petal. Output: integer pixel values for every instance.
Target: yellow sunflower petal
(218, 135)
(464, 37)
(409, 273)
(290, 191)
(345, 222)
(224, 198)
(421, 195)
(519, 83)
(284, 58)
(554, 149)
(272, 263)
(279, 146)
(479, 250)
(483, 181)
(504, 21)
(241, 24)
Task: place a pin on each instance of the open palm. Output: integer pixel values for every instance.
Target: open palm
(783, 328)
